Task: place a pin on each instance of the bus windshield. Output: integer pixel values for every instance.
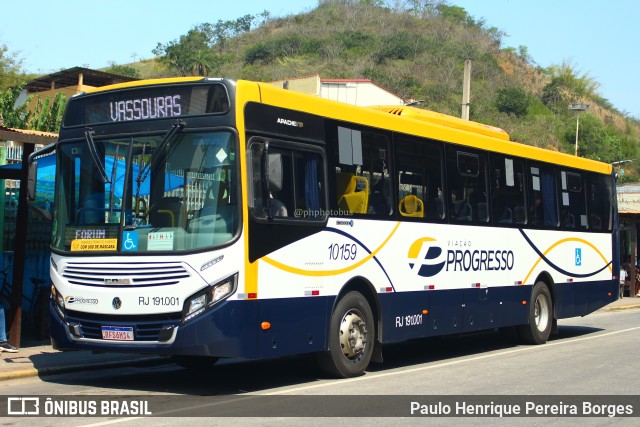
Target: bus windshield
(146, 193)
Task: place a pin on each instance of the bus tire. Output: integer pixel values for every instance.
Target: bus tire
(538, 329)
(351, 337)
(194, 363)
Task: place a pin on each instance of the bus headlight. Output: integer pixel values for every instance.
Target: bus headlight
(208, 297)
(58, 302)
(196, 305)
(222, 291)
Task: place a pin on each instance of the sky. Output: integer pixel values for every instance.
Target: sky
(597, 37)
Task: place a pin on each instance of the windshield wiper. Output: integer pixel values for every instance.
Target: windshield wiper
(88, 136)
(144, 171)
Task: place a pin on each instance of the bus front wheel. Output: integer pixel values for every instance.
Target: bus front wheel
(538, 329)
(351, 337)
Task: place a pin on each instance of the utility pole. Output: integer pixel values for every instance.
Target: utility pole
(466, 89)
(578, 108)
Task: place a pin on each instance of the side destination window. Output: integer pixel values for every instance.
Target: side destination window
(363, 173)
(507, 190)
(419, 179)
(542, 208)
(468, 202)
(573, 204)
(600, 195)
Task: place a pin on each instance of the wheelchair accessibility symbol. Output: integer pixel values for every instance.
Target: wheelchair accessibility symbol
(130, 241)
(578, 257)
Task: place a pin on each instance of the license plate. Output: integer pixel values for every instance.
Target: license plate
(119, 333)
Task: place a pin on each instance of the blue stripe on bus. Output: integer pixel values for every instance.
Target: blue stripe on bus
(300, 325)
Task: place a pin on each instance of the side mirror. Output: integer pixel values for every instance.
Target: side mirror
(32, 180)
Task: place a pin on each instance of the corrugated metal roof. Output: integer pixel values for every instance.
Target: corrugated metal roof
(69, 77)
(27, 136)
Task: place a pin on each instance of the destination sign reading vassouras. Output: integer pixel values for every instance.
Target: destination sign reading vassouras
(145, 108)
(147, 103)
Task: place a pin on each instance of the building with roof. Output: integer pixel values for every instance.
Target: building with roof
(71, 81)
(629, 215)
(24, 237)
(360, 92)
(68, 82)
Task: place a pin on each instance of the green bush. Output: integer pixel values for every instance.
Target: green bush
(355, 42)
(282, 47)
(398, 46)
(513, 100)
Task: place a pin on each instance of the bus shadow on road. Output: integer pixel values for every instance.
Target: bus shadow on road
(567, 332)
(450, 347)
(231, 377)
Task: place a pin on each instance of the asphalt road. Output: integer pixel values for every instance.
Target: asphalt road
(592, 356)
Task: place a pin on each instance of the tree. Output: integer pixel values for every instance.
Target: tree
(578, 83)
(47, 115)
(10, 68)
(513, 100)
(458, 15)
(225, 30)
(122, 70)
(595, 140)
(14, 117)
(193, 53)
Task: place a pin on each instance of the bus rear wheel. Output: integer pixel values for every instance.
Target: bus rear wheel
(538, 329)
(351, 337)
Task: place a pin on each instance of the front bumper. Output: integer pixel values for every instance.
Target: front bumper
(227, 330)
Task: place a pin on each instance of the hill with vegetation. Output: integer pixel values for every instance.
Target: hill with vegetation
(416, 49)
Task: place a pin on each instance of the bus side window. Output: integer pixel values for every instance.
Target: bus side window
(362, 180)
(574, 204)
(467, 186)
(600, 202)
(277, 207)
(419, 175)
(543, 204)
(296, 190)
(507, 190)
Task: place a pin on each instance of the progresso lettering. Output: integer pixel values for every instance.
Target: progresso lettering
(145, 108)
(459, 260)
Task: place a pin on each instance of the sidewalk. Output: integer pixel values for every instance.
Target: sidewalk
(39, 358)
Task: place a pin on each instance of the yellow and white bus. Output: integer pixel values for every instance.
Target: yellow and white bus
(209, 218)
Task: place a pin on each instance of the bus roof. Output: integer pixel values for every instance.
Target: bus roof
(424, 123)
(403, 119)
(445, 120)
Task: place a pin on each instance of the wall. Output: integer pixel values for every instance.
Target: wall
(363, 94)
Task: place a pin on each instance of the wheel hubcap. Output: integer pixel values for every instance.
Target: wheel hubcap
(353, 334)
(542, 312)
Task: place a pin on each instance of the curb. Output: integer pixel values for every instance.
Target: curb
(621, 307)
(54, 370)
